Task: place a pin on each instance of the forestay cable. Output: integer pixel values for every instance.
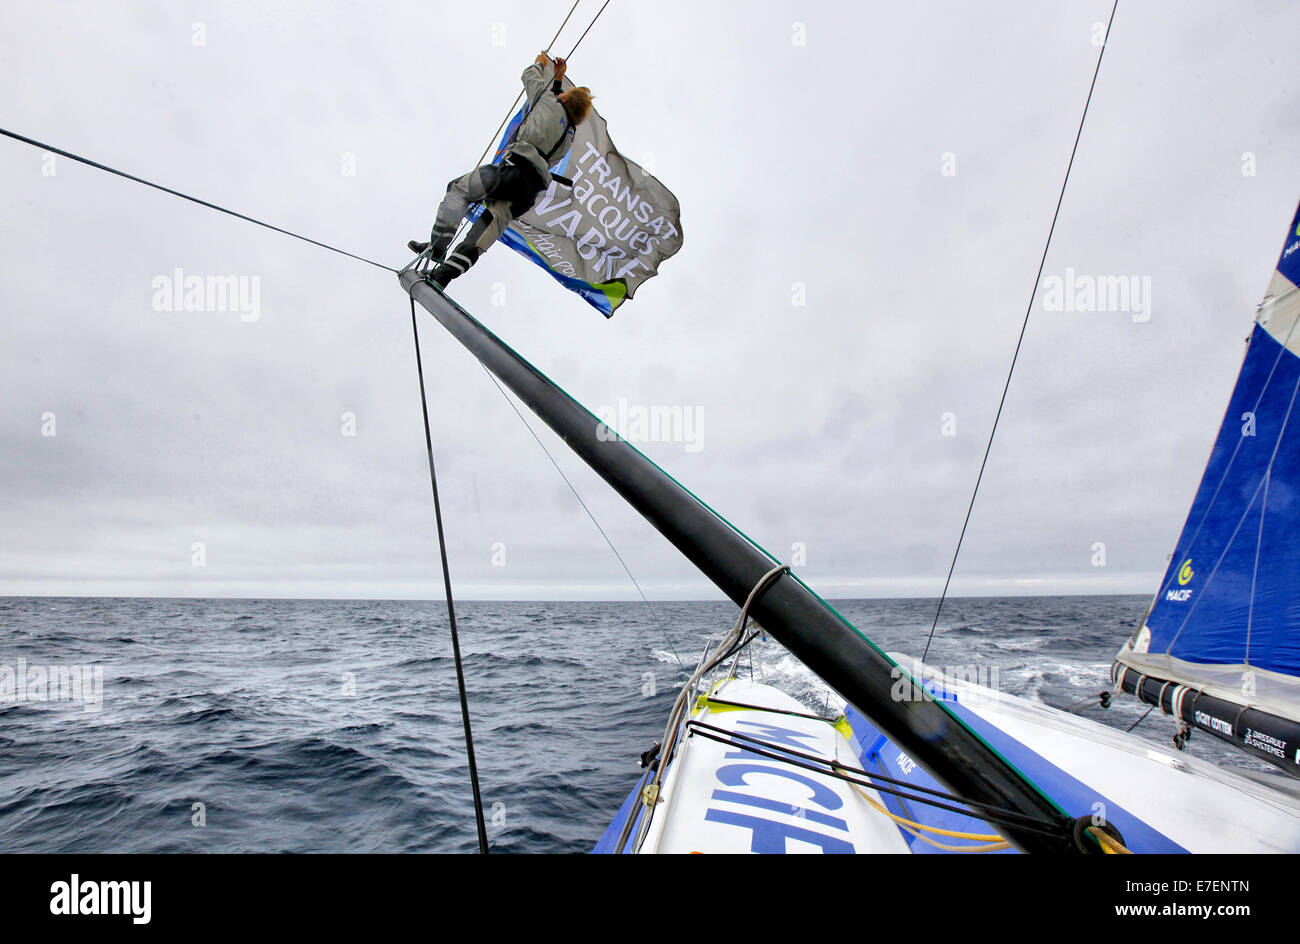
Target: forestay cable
(1024, 325)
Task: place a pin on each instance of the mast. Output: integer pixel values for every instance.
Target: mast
(813, 632)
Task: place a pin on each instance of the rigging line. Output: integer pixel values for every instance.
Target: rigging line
(628, 570)
(1262, 486)
(451, 609)
(573, 9)
(492, 140)
(735, 663)
(917, 830)
(710, 701)
(677, 717)
(1109, 844)
(736, 647)
(832, 765)
(503, 350)
(587, 30)
(1140, 720)
(1254, 574)
(993, 816)
(668, 475)
(1263, 391)
(1023, 327)
(185, 196)
(1083, 704)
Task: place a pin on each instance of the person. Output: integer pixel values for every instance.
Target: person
(509, 189)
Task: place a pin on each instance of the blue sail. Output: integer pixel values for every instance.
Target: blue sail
(1225, 622)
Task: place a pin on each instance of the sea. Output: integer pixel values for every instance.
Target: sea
(236, 725)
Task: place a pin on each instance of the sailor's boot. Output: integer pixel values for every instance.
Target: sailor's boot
(438, 246)
(457, 264)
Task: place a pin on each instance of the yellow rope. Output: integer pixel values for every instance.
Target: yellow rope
(995, 842)
(1109, 844)
(990, 847)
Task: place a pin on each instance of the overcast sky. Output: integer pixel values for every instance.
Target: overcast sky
(895, 166)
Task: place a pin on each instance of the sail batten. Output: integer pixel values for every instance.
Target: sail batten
(1226, 620)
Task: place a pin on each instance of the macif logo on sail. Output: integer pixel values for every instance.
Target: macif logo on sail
(1185, 575)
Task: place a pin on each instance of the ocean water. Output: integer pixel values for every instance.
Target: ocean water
(334, 726)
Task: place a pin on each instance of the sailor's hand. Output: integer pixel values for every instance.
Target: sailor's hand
(560, 66)
(542, 59)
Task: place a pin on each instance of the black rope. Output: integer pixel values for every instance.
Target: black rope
(711, 700)
(492, 140)
(451, 609)
(1030, 307)
(1035, 826)
(768, 579)
(734, 648)
(496, 134)
(573, 9)
(1102, 699)
(844, 772)
(586, 31)
(185, 196)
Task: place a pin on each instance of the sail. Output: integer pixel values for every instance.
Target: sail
(1225, 622)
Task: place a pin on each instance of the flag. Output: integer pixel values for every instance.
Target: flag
(607, 234)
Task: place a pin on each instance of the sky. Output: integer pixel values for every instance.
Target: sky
(866, 190)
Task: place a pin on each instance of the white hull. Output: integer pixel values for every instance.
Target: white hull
(717, 797)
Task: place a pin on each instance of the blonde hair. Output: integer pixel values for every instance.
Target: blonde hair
(577, 104)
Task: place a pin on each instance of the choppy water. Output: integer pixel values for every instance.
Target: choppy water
(334, 726)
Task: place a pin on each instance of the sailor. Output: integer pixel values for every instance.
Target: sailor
(509, 189)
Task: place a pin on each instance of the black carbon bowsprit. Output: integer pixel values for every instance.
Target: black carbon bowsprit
(797, 618)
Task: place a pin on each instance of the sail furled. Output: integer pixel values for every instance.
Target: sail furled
(607, 233)
(1225, 621)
